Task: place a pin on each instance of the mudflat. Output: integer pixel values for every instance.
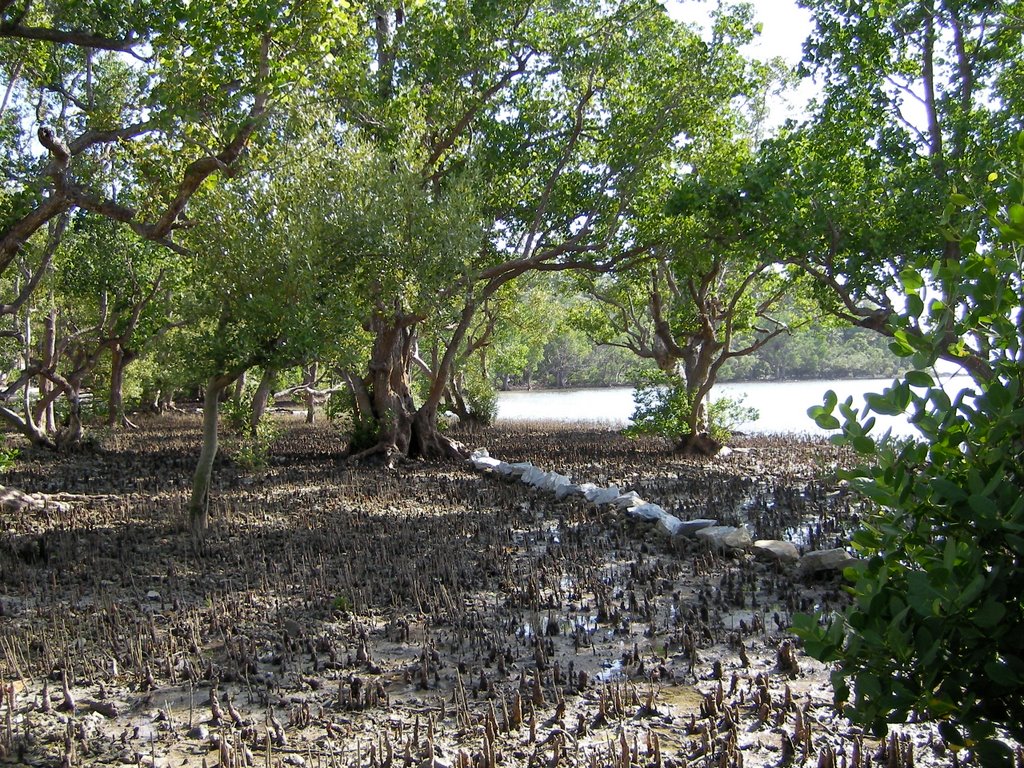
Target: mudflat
(429, 615)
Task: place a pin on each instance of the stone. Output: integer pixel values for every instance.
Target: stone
(668, 525)
(627, 500)
(553, 480)
(726, 537)
(689, 528)
(567, 489)
(776, 551)
(503, 468)
(534, 476)
(647, 511)
(823, 560)
(601, 496)
(484, 462)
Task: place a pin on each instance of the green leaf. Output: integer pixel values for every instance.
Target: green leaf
(1017, 214)
(990, 614)
(827, 421)
(911, 280)
(919, 379)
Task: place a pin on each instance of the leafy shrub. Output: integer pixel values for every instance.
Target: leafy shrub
(936, 620)
(665, 409)
(236, 415)
(249, 449)
(252, 450)
(8, 457)
(481, 399)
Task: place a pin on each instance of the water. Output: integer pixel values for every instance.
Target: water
(782, 405)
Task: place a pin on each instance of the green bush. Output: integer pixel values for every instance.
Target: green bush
(936, 622)
(249, 449)
(665, 409)
(8, 456)
(481, 399)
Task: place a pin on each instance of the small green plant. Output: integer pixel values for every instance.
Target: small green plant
(236, 415)
(342, 604)
(337, 406)
(8, 457)
(363, 432)
(252, 451)
(664, 408)
(249, 448)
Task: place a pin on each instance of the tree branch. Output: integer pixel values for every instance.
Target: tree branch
(77, 37)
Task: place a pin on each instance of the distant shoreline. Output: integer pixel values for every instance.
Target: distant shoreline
(944, 375)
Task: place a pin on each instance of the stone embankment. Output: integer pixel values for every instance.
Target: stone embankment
(724, 538)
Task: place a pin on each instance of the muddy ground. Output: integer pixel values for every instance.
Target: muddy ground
(424, 616)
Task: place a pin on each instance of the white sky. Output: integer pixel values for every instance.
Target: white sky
(785, 26)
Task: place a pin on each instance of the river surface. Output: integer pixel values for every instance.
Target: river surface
(782, 405)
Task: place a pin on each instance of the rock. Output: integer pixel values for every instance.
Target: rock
(153, 595)
(484, 462)
(199, 732)
(567, 489)
(668, 525)
(726, 537)
(504, 469)
(689, 528)
(553, 481)
(13, 500)
(825, 560)
(601, 496)
(533, 476)
(776, 551)
(647, 511)
(627, 500)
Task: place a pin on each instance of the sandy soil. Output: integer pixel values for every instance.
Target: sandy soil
(424, 616)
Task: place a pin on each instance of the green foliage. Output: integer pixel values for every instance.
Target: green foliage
(936, 620)
(481, 398)
(664, 407)
(363, 431)
(251, 450)
(8, 456)
(236, 415)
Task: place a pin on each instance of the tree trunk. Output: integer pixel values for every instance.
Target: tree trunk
(402, 429)
(311, 373)
(45, 417)
(260, 398)
(70, 433)
(119, 360)
(239, 390)
(697, 362)
(199, 505)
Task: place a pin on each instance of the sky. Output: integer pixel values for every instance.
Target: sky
(785, 26)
